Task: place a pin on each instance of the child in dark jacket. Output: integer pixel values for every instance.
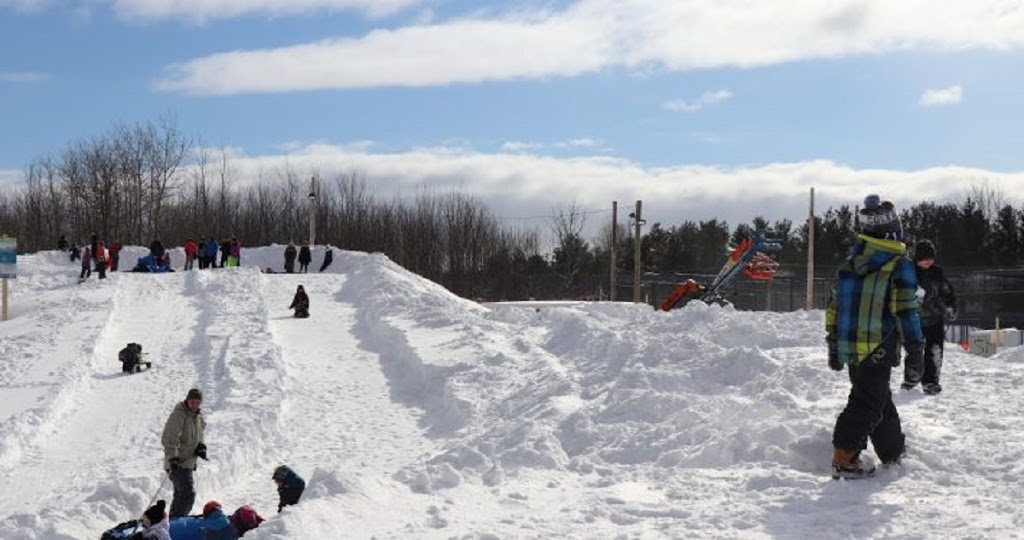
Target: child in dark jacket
(937, 305)
(289, 486)
(300, 303)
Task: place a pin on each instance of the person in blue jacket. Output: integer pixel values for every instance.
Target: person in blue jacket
(211, 249)
(289, 486)
(217, 526)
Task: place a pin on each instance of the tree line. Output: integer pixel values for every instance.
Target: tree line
(136, 183)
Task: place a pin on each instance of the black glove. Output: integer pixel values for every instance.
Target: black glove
(913, 368)
(833, 356)
(200, 451)
(175, 462)
(950, 314)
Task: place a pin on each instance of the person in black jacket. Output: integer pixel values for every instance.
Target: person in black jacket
(289, 486)
(300, 303)
(305, 257)
(289, 258)
(937, 306)
(328, 259)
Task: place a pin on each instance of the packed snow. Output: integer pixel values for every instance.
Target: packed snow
(413, 413)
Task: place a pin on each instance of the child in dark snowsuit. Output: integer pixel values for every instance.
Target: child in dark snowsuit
(300, 303)
(289, 486)
(305, 257)
(937, 305)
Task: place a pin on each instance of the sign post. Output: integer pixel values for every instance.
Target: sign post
(8, 269)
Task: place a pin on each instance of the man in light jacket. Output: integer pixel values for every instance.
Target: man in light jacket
(183, 444)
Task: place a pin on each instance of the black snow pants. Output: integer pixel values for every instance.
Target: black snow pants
(934, 338)
(870, 413)
(184, 491)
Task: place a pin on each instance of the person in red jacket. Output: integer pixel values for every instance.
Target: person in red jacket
(113, 254)
(191, 250)
(100, 257)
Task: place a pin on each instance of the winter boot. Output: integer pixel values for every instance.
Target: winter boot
(906, 385)
(847, 464)
(932, 388)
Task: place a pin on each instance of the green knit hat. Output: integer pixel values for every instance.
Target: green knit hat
(194, 393)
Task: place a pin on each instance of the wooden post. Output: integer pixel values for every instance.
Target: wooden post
(4, 316)
(636, 254)
(312, 212)
(611, 272)
(810, 254)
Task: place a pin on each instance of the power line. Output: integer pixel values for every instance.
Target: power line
(550, 216)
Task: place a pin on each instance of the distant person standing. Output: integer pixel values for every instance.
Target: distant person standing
(86, 264)
(182, 440)
(937, 305)
(235, 258)
(114, 255)
(211, 252)
(328, 259)
(100, 257)
(305, 257)
(225, 252)
(289, 258)
(191, 251)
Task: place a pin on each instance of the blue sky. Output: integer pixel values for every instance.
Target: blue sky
(689, 104)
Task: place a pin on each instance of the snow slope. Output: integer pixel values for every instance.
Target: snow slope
(413, 413)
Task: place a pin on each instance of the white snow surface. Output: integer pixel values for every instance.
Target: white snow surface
(413, 413)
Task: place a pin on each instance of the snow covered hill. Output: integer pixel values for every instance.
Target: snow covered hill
(413, 413)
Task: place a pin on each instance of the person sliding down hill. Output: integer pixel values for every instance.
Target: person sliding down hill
(300, 303)
(154, 524)
(216, 525)
(289, 486)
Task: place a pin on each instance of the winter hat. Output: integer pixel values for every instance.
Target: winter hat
(280, 473)
(924, 249)
(879, 219)
(156, 513)
(210, 507)
(195, 393)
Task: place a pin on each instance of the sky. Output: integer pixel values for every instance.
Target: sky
(413, 413)
(537, 104)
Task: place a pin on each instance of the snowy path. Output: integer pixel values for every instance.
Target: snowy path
(344, 432)
(106, 408)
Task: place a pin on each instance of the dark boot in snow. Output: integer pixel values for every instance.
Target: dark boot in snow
(847, 464)
(932, 388)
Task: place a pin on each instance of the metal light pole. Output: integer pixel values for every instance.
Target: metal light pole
(312, 211)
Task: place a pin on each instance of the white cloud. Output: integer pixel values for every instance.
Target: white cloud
(943, 96)
(519, 146)
(591, 35)
(11, 177)
(705, 99)
(521, 184)
(22, 77)
(201, 11)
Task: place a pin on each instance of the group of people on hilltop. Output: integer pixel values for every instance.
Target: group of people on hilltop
(183, 441)
(94, 256)
(304, 255)
(881, 300)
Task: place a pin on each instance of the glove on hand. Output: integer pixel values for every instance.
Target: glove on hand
(833, 356)
(200, 451)
(950, 314)
(913, 368)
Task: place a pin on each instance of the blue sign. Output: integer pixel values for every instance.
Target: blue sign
(8, 258)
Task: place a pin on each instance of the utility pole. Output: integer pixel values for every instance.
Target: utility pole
(810, 254)
(637, 222)
(312, 212)
(615, 227)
